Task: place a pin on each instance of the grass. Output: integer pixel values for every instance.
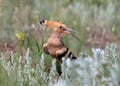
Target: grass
(23, 62)
(102, 68)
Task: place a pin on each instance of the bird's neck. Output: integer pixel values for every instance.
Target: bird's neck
(57, 35)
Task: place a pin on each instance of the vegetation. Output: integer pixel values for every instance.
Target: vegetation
(100, 69)
(23, 62)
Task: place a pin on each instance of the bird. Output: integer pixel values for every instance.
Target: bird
(55, 46)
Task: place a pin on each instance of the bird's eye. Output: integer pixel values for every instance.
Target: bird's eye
(60, 27)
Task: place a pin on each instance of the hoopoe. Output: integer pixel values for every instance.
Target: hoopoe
(55, 45)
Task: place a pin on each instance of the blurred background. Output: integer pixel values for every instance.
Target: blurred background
(97, 21)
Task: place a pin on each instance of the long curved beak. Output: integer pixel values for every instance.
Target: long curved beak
(72, 33)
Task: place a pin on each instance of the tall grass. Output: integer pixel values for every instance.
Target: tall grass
(100, 69)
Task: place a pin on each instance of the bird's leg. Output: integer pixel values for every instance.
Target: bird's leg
(45, 48)
(59, 55)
